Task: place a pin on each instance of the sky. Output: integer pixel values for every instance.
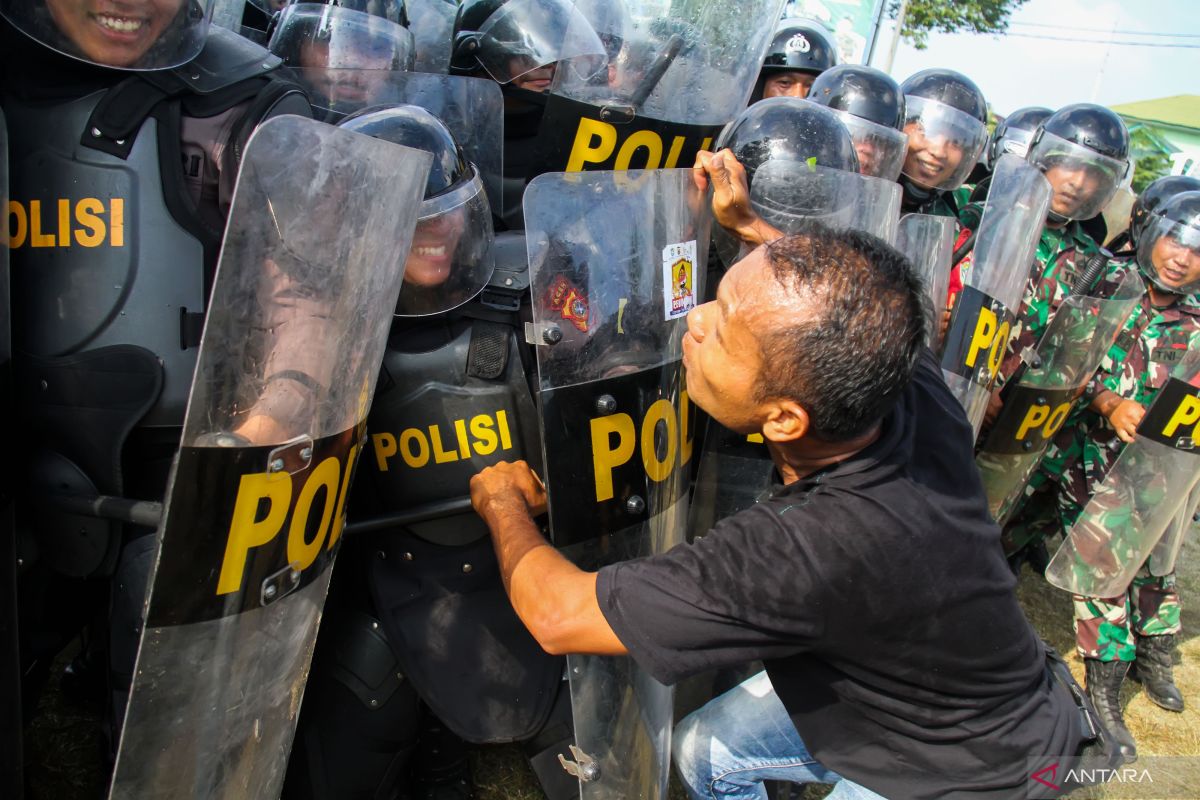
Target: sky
(1015, 70)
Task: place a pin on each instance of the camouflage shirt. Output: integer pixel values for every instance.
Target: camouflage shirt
(1061, 253)
(1137, 365)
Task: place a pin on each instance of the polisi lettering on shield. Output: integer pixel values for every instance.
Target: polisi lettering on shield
(481, 435)
(662, 439)
(978, 336)
(599, 145)
(66, 222)
(1173, 418)
(308, 508)
(1044, 419)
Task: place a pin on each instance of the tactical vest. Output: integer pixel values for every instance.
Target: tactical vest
(439, 416)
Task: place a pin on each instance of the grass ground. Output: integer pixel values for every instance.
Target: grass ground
(63, 746)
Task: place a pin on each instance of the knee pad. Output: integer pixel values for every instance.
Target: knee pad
(359, 720)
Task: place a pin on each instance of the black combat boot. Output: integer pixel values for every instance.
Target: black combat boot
(1153, 670)
(1104, 688)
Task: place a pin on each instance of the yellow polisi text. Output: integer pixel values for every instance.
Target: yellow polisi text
(616, 437)
(253, 526)
(596, 142)
(87, 222)
(1044, 418)
(991, 336)
(480, 435)
(1187, 413)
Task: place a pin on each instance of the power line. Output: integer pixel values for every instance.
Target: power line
(1107, 30)
(1103, 42)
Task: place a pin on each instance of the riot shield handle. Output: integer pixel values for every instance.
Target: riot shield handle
(583, 767)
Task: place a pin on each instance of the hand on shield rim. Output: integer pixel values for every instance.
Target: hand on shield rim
(731, 197)
(505, 485)
(1125, 418)
(994, 407)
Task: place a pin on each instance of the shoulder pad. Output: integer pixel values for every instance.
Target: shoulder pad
(226, 59)
(512, 262)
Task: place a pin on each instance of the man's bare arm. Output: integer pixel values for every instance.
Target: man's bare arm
(554, 599)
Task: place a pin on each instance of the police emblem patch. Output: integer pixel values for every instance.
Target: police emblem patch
(797, 44)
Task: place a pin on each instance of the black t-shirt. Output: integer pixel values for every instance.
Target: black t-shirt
(877, 595)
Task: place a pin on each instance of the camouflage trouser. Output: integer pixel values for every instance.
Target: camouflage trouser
(1107, 628)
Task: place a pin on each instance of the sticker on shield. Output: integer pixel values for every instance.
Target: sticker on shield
(679, 279)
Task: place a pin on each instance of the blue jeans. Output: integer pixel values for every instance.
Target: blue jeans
(728, 748)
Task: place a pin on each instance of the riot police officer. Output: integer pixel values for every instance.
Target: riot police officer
(518, 44)
(945, 119)
(1146, 203)
(1011, 135)
(419, 649)
(871, 106)
(799, 52)
(129, 124)
(342, 53)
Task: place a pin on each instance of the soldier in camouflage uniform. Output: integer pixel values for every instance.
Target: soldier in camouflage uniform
(1142, 623)
(1083, 150)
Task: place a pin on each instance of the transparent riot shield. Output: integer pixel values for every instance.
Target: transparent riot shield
(788, 194)
(1142, 495)
(1035, 408)
(674, 74)
(1005, 244)
(299, 314)
(10, 665)
(1166, 552)
(432, 26)
(928, 241)
(616, 261)
(471, 108)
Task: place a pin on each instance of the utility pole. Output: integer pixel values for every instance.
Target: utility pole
(891, 57)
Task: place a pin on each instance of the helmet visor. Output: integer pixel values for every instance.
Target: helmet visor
(1169, 254)
(788, 193)
(451, 258)
(943, 143)
(1015, 141)
(524, 35)
(316, 36)
(880, 149)
(142, 36)
(1083, 181)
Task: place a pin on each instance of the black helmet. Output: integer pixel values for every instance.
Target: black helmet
(871, 106)
(1084, 151)
(789, 129)
(451, 257)
(945, 118)
(508, 38)
(1153, 196)
(352, 34)
(153, 36)
(800, 46)
(1014, 132)
(1177, 220)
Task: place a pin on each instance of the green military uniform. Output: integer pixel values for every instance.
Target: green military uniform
(1137, 366)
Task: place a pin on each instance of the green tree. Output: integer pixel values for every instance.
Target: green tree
(952, 16)
(1149, 160)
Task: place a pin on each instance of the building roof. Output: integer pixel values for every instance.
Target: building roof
(1180, 111)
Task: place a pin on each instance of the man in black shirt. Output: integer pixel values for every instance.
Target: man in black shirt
(871, 584)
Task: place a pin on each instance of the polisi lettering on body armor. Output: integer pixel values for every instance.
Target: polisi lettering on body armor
(419, 447)
(83, 222)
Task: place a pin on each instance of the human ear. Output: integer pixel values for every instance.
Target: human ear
(787, 421)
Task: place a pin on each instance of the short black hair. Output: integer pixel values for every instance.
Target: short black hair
(853, 350)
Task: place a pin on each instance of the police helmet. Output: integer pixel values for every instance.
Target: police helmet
(1153, 196)
(1084, 151)
(451, 257)
(800, 46)
(1014, 132)
(1168, 254)
(352, 34)
(871, 107)
(142, 38)
(945, 119)
(508, 38)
